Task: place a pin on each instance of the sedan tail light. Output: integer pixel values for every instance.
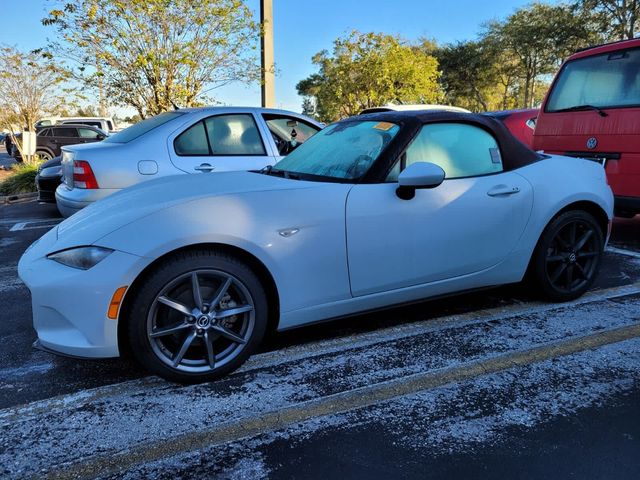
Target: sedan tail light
(83, 176)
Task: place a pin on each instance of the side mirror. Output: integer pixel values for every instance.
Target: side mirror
(101, 137)
(418, 175)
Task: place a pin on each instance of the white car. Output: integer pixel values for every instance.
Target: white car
(190, 140)
(373, 211)
(106, 124)
(391, 107)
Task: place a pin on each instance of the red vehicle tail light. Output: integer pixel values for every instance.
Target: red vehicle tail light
(83, 176)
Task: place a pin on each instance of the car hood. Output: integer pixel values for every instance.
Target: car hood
(101, 218)
(54, 162)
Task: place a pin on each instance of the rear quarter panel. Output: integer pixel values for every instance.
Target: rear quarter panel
(558, 182)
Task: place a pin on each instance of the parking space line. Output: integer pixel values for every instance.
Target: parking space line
(32, 225)
(335, 404)
(622, 251)
(320, 348)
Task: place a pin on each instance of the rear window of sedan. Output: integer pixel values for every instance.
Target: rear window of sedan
(140, 128)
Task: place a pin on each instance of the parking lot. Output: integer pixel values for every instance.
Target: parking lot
(493, 381)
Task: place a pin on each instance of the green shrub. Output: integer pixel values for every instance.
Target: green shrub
(21, 180)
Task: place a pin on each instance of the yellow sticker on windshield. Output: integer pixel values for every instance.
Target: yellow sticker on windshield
(384, 126)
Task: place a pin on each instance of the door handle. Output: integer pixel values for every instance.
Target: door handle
(205, 167)
(502, 191)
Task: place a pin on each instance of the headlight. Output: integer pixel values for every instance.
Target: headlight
(81, 257)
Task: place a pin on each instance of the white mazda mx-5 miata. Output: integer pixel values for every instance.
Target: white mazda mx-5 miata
(188, 272)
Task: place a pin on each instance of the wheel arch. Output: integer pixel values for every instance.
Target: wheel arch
(265, 276)
(588, 206)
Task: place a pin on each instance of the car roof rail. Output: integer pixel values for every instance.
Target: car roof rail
(583, 49)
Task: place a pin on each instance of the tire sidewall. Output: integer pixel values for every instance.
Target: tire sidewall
(165, 273)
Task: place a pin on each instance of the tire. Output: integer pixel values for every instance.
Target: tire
(44, 155)
(216, 337)
(567, 258)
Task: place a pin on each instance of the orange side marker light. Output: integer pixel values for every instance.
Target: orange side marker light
(116, 300)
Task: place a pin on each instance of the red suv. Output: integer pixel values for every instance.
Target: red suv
(592, 111)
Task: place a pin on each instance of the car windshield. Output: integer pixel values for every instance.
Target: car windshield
(344, 150)
(140, 128)
(602, 81)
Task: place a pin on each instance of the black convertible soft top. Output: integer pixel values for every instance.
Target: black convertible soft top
(513, 152)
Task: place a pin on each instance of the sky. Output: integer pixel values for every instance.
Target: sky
(302, 29)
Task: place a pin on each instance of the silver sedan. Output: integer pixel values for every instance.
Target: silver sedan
(191, 140)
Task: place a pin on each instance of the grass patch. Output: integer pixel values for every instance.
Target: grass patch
(21, 179)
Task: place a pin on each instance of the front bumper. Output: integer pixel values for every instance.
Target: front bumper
(72, 200)
(70, 305)
(630, 205)
(46, 187)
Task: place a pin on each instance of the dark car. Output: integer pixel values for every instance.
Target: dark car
(48, 178)
(50, 140)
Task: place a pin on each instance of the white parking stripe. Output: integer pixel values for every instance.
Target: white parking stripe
(190, 417)
(323, 347)
(32, 225)
(622, 251)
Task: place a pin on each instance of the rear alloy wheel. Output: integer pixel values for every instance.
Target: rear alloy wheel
(205, 316)
(44, 156)
(568, 256)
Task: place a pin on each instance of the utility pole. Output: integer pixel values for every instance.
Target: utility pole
(266, 54)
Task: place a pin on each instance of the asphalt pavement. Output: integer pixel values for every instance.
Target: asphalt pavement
(5, 160)
(484, 385)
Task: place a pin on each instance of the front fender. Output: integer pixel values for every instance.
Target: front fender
(309, 266)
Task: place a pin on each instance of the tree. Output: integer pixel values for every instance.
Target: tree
(87, 111)
(616, 19)
(30, 88)
(539, 37)
(367, 70)
(156, 55)
(477, 75)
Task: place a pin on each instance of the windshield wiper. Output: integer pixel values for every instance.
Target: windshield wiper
(269, 170)
(576, 108)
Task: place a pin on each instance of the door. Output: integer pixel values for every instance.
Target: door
(220, 143)
(61, 137)
(466, 225)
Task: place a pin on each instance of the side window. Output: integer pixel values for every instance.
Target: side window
(45, 132)
(461, 150)
(221, 135)
(234, 135)
(87, 133)
(285, 129)
(65, 132)
(193, 141)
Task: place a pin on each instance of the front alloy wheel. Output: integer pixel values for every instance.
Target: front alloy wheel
(200, 321)
(204, 313)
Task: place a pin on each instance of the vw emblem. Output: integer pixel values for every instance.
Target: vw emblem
(592, 143)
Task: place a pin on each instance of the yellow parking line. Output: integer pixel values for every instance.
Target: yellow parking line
(335, 404)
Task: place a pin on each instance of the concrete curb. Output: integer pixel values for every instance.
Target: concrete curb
(102, 465)
(21, 197)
